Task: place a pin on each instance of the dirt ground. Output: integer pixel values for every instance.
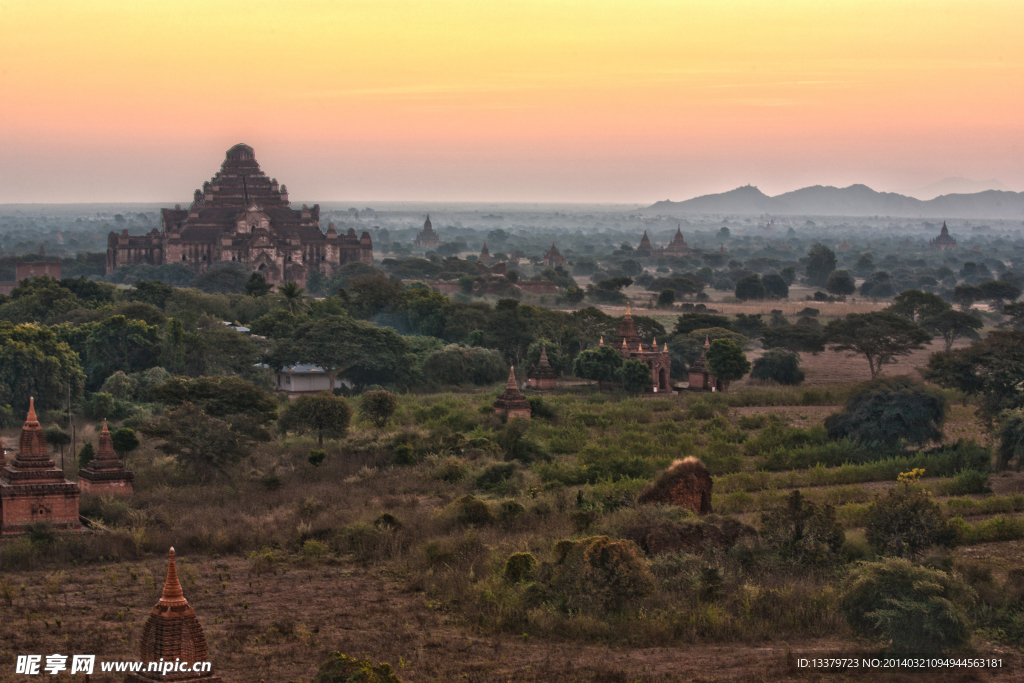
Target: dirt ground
(281, 626)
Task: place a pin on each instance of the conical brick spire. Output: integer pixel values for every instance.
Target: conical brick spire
(707, 342)
(173, 596)
(512, 384)
(544, 354)
(32, 444)
(31, 418)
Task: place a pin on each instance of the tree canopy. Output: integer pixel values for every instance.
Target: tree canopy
(889, 410)
(324, 414)
(881, 337)
(726, 360)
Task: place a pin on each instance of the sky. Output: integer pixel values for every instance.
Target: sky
(627, 101)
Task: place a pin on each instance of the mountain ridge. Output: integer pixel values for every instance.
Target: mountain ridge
(854, 200)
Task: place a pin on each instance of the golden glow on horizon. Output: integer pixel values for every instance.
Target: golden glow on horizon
(521, 82)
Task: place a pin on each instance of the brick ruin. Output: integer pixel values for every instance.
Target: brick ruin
(700, 376)
(427, 239)
(33, 489)
(512, 403)
(105, 473)
(686, 483)
(172, 632)
(630, 346)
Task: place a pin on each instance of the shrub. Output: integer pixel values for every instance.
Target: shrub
(600, 573)
(912, 609)
(404, 454)
(520, 567)
(890, 410)
(340, 668)
(803, 532)
(471, 510)
(753, 421)
(378, 407)
(509, 512)
(317, 456)
(539, 408)
(635, 376)
(495, 475)
(906, 521)
(778, 365)
(701, 410)
(387, 521)
(966, 482)
(86, 454)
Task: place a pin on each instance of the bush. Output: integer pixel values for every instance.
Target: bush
(86, 454)
(520, 567)
(495, 475)
(803, 532)
(911, 609)
(540, 409)
(340, 668)
(778, 365)
(317, 456)
(890, 410)
(635, 376)
(470, 510)
(405, 455)
(967, 482)
(378, 407)
(906, 521)
(600, 573)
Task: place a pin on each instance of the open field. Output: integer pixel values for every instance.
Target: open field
(285, 562)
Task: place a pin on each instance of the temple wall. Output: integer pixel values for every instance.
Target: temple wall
(27, 504)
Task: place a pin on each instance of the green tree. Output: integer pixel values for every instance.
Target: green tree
(917, 305)
(226, 279)
(635, 376)
(889, 410)
(1011, 439)
(125, 441)
(153, 292)
(1015, 314)
(667, 298)
(840, 283)
(85, 454)
(964, 296)
(952, 325)
(323, 413)
(600, 364)
(574, 295)
(688, 322)
(821, 261)
(803, 532)
(279, 324)
(292, 297)
(797, 338)
(778, 365)
(788, 274)
(118, 343)
(57, 437)
(378, 407)
(317, 457)
(909, 608)
(997, 291)
(906, 521)
(457, 364)
(218, 397)
(992, 369)
(879, 336)
(726, 361)
(775, 286)
(39, 300)
(256, 286)
(35, 362)
(750, 287)
(202, 445)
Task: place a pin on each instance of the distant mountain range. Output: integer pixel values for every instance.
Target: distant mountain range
(855, 200)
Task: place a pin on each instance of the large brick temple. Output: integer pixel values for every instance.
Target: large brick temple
(630, 346)
(32, 488)
(240, 215)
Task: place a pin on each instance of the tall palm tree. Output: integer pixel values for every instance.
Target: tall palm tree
(292, 296)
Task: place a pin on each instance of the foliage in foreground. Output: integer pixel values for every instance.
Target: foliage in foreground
(889, 410)
(340, 668)
(909, 608)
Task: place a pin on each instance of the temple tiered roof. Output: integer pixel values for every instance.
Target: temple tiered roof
(512, 402)
(105, 473)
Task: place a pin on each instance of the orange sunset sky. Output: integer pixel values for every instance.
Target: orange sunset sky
(473, 100)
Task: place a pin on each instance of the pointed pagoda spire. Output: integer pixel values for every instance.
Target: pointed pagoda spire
(602, 341)
(172, 595)
(623, 342)
(627, 309)
(544, 354)
(665, 350)
(707, 342)
(512, 384)
(31, 418)
(639, 348)
(654, 344)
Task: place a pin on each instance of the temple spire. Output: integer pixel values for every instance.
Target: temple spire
(172, 596)
(543, 353)
(627, 309)
(512, 384)
(602, 341)
(31, 417)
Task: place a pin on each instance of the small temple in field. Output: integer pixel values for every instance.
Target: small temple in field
(105, 473)
(485, 256)
(943, 241)
(512, 403)
(542, 375)
(630, 346)
(33, 489)
(700, 378)
(554, 258)
(427, 239)
(173, 634)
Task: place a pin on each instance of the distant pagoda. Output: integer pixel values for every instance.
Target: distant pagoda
(542, 375)
(512, 403)
(943, 241)
(553, 258)
(645, 247)
(171, 634)
(105, 473)
(485, 256)
(630, 346)
(32, 488)
(427, 239)
(678, 245)
(700, 376)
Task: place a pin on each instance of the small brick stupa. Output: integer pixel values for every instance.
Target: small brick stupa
(33, 489)
(512, 403)
(105, 473)
(173, 633)
(542, 375)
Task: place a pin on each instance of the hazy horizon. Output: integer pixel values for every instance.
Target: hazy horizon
(527, 102)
